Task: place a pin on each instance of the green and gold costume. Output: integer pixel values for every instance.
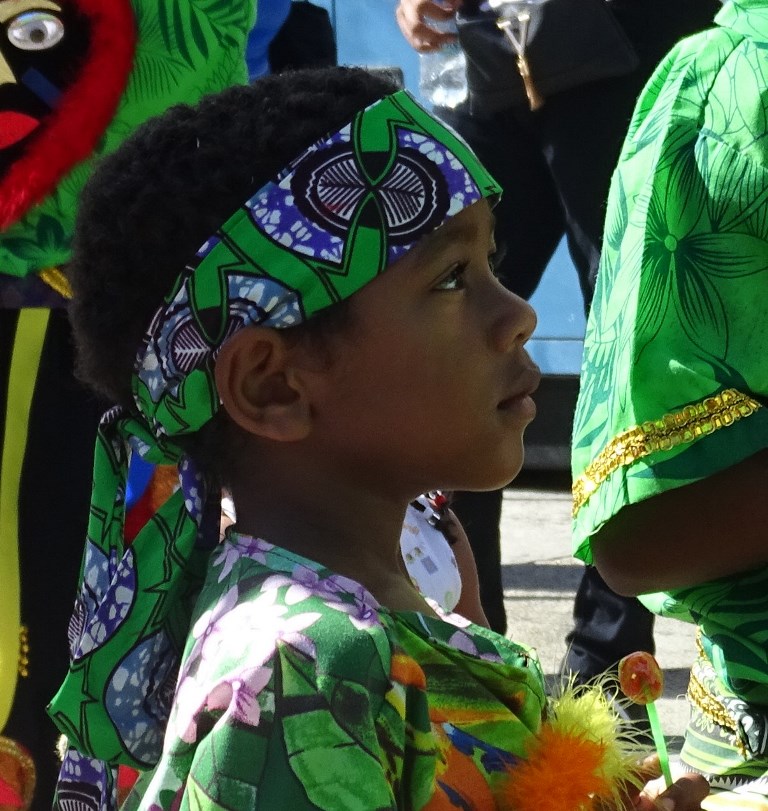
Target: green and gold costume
(675, 373)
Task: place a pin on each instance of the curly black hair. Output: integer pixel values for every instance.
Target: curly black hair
(149, 206)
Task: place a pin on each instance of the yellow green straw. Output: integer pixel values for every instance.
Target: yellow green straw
(659, 741)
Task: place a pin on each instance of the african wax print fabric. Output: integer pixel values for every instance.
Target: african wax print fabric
(298, 690)
(675, 372)
(340, 214)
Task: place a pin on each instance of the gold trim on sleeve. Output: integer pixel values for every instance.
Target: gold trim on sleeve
(54, 278)
(672, 430)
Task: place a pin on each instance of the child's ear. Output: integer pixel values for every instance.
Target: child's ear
(259, 387)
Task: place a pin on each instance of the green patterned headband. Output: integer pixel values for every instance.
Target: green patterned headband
(340, 214)
(347, 208)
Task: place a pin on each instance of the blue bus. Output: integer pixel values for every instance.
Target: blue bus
(367, 35)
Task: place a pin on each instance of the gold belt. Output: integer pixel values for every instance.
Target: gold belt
(716, 711)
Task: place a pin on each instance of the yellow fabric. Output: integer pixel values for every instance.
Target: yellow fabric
(25, 360)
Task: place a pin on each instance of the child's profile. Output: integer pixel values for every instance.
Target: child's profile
(288, 292)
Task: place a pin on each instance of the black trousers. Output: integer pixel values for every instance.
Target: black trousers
(606, 627)
(555, 165)
(54, 497)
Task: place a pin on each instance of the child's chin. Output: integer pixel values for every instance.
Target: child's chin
(496, 480)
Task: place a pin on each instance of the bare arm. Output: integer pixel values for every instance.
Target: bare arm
(413, 18)
(696, 533)
(469, 603)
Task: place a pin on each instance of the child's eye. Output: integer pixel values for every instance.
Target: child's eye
(454, 279)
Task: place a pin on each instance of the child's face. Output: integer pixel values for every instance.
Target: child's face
(431, 385)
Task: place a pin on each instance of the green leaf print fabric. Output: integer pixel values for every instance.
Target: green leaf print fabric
(185, 49)
(298, 690)
(675, 372)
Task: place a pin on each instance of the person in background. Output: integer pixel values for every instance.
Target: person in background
(670, 445)
(269, 20)
(290, 35)
(557, 162)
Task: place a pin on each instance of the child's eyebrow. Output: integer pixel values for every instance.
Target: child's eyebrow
(455, 231)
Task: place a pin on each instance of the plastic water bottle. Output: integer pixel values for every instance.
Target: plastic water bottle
(443, 73)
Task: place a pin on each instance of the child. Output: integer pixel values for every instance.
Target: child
(325, 394)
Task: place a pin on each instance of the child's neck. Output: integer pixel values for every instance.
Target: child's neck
(350, 531)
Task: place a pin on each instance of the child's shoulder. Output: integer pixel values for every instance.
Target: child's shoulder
(262, 603)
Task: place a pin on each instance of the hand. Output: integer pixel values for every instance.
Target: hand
(413, 16)
(685, 794)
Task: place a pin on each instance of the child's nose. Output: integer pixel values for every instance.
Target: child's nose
(514, 324)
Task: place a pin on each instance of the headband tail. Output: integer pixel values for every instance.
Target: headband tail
(133, 608)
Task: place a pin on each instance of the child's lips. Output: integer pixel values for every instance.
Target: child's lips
(15, 126)
(519, 400)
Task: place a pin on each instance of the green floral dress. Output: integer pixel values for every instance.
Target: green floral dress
(298, 690)
(675, 372)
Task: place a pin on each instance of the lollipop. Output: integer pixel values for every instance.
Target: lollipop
(640, 677)
(642, 681)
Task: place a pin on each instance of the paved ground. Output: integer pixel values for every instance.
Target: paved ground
(540, 578)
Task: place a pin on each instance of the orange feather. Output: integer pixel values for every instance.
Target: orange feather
(562, 772)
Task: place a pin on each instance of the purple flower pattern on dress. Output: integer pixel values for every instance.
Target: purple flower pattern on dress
(254, 628)
(288, 691)
(464, 642)
(228, 554)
